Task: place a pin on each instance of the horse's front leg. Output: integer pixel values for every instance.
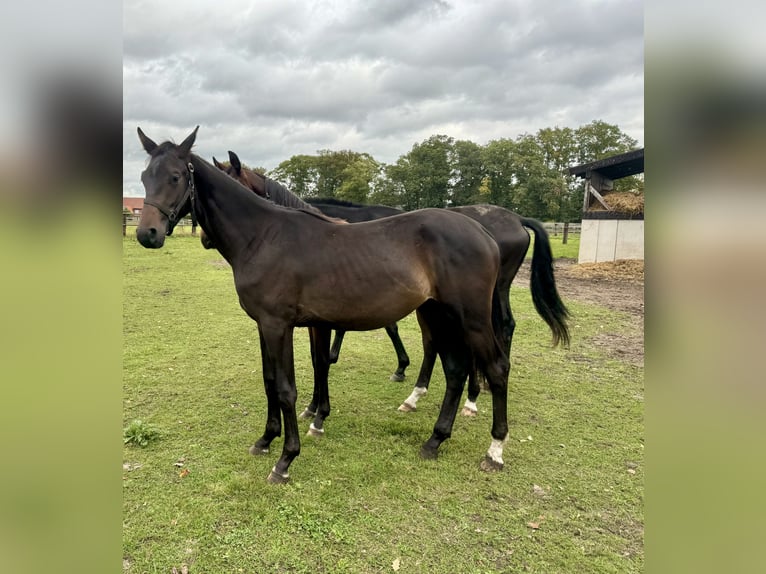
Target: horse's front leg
(273, 416)
(278, 344)
(470, 409)
(426, 368)
(336, 345)
(311, 410)
(401, 354)
(320, 356)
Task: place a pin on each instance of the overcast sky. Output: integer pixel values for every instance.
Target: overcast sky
(270, 79)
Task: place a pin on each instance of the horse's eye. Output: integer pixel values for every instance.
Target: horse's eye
(175, 179)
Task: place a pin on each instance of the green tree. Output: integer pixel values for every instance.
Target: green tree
(467, 173)
(497, 185)
(331, 167)
(559, 150)
(533, 180)
(358, 178)
(421, 178)
(299, 174)
(599, 140)
(431, 170)
(391, 189)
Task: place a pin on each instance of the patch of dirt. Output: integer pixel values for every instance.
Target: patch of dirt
(617, 285)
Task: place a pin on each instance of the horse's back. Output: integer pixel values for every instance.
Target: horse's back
(505, 226)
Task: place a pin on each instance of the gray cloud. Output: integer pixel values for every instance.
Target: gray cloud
(272, 79)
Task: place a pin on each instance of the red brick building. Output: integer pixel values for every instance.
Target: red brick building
(133, 204)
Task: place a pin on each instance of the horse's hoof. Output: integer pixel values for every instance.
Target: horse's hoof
(407, 408)
(466, 412)
(428, 453)
(313, 431)
(306, 414)
(276, 478)
(258, 451)
(490, 465)
(396, 377)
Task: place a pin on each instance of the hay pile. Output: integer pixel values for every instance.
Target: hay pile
(621, 202)
(622, 270)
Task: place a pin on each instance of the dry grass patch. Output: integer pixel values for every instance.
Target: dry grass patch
(622, 269)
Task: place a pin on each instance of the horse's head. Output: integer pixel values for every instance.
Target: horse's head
(168, 182)
(251, 179)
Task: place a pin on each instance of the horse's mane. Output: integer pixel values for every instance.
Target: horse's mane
(280, 195)
(334, 201)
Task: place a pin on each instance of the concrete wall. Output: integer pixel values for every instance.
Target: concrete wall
(611, 239)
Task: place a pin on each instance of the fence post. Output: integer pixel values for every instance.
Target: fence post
(124, 224)
(566, 233)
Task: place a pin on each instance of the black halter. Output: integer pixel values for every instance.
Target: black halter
(172, 213)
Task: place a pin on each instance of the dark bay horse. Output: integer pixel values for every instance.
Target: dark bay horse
(279, 194)
(508, 229)
(294, 268)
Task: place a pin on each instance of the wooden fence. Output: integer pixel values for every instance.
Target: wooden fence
(184, 226)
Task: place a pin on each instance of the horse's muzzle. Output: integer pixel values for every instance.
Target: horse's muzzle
(150, 237)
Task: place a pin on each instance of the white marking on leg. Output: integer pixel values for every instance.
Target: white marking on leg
(412, 400)
(470, 405)
(315, 431)
(495, 451)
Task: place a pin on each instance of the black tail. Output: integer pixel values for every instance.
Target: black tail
(543, 285)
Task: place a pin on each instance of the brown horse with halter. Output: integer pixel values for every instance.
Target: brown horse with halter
(508, 229)
(294, 268)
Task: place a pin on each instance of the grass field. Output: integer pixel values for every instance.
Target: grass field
(360, 498)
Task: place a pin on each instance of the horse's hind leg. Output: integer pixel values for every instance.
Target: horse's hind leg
(401, 354)
(504, 331)
(456, 362)
(495, 366)
(426, 368)
(493, 362)
(320, 356)
(448, 340)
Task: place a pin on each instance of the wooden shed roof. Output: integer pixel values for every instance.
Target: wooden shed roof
(614, 167)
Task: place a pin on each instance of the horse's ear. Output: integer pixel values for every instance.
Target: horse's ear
(186, 145)
(235, 162)
(218, 164)
(148, 144)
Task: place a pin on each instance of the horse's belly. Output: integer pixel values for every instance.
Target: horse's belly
(363, 313)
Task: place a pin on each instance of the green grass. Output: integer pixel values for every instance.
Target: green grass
(361, 497)
(569, 251)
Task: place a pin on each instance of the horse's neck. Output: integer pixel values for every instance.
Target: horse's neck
(229, 214)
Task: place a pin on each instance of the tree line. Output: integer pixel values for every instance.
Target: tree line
(525, 174)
